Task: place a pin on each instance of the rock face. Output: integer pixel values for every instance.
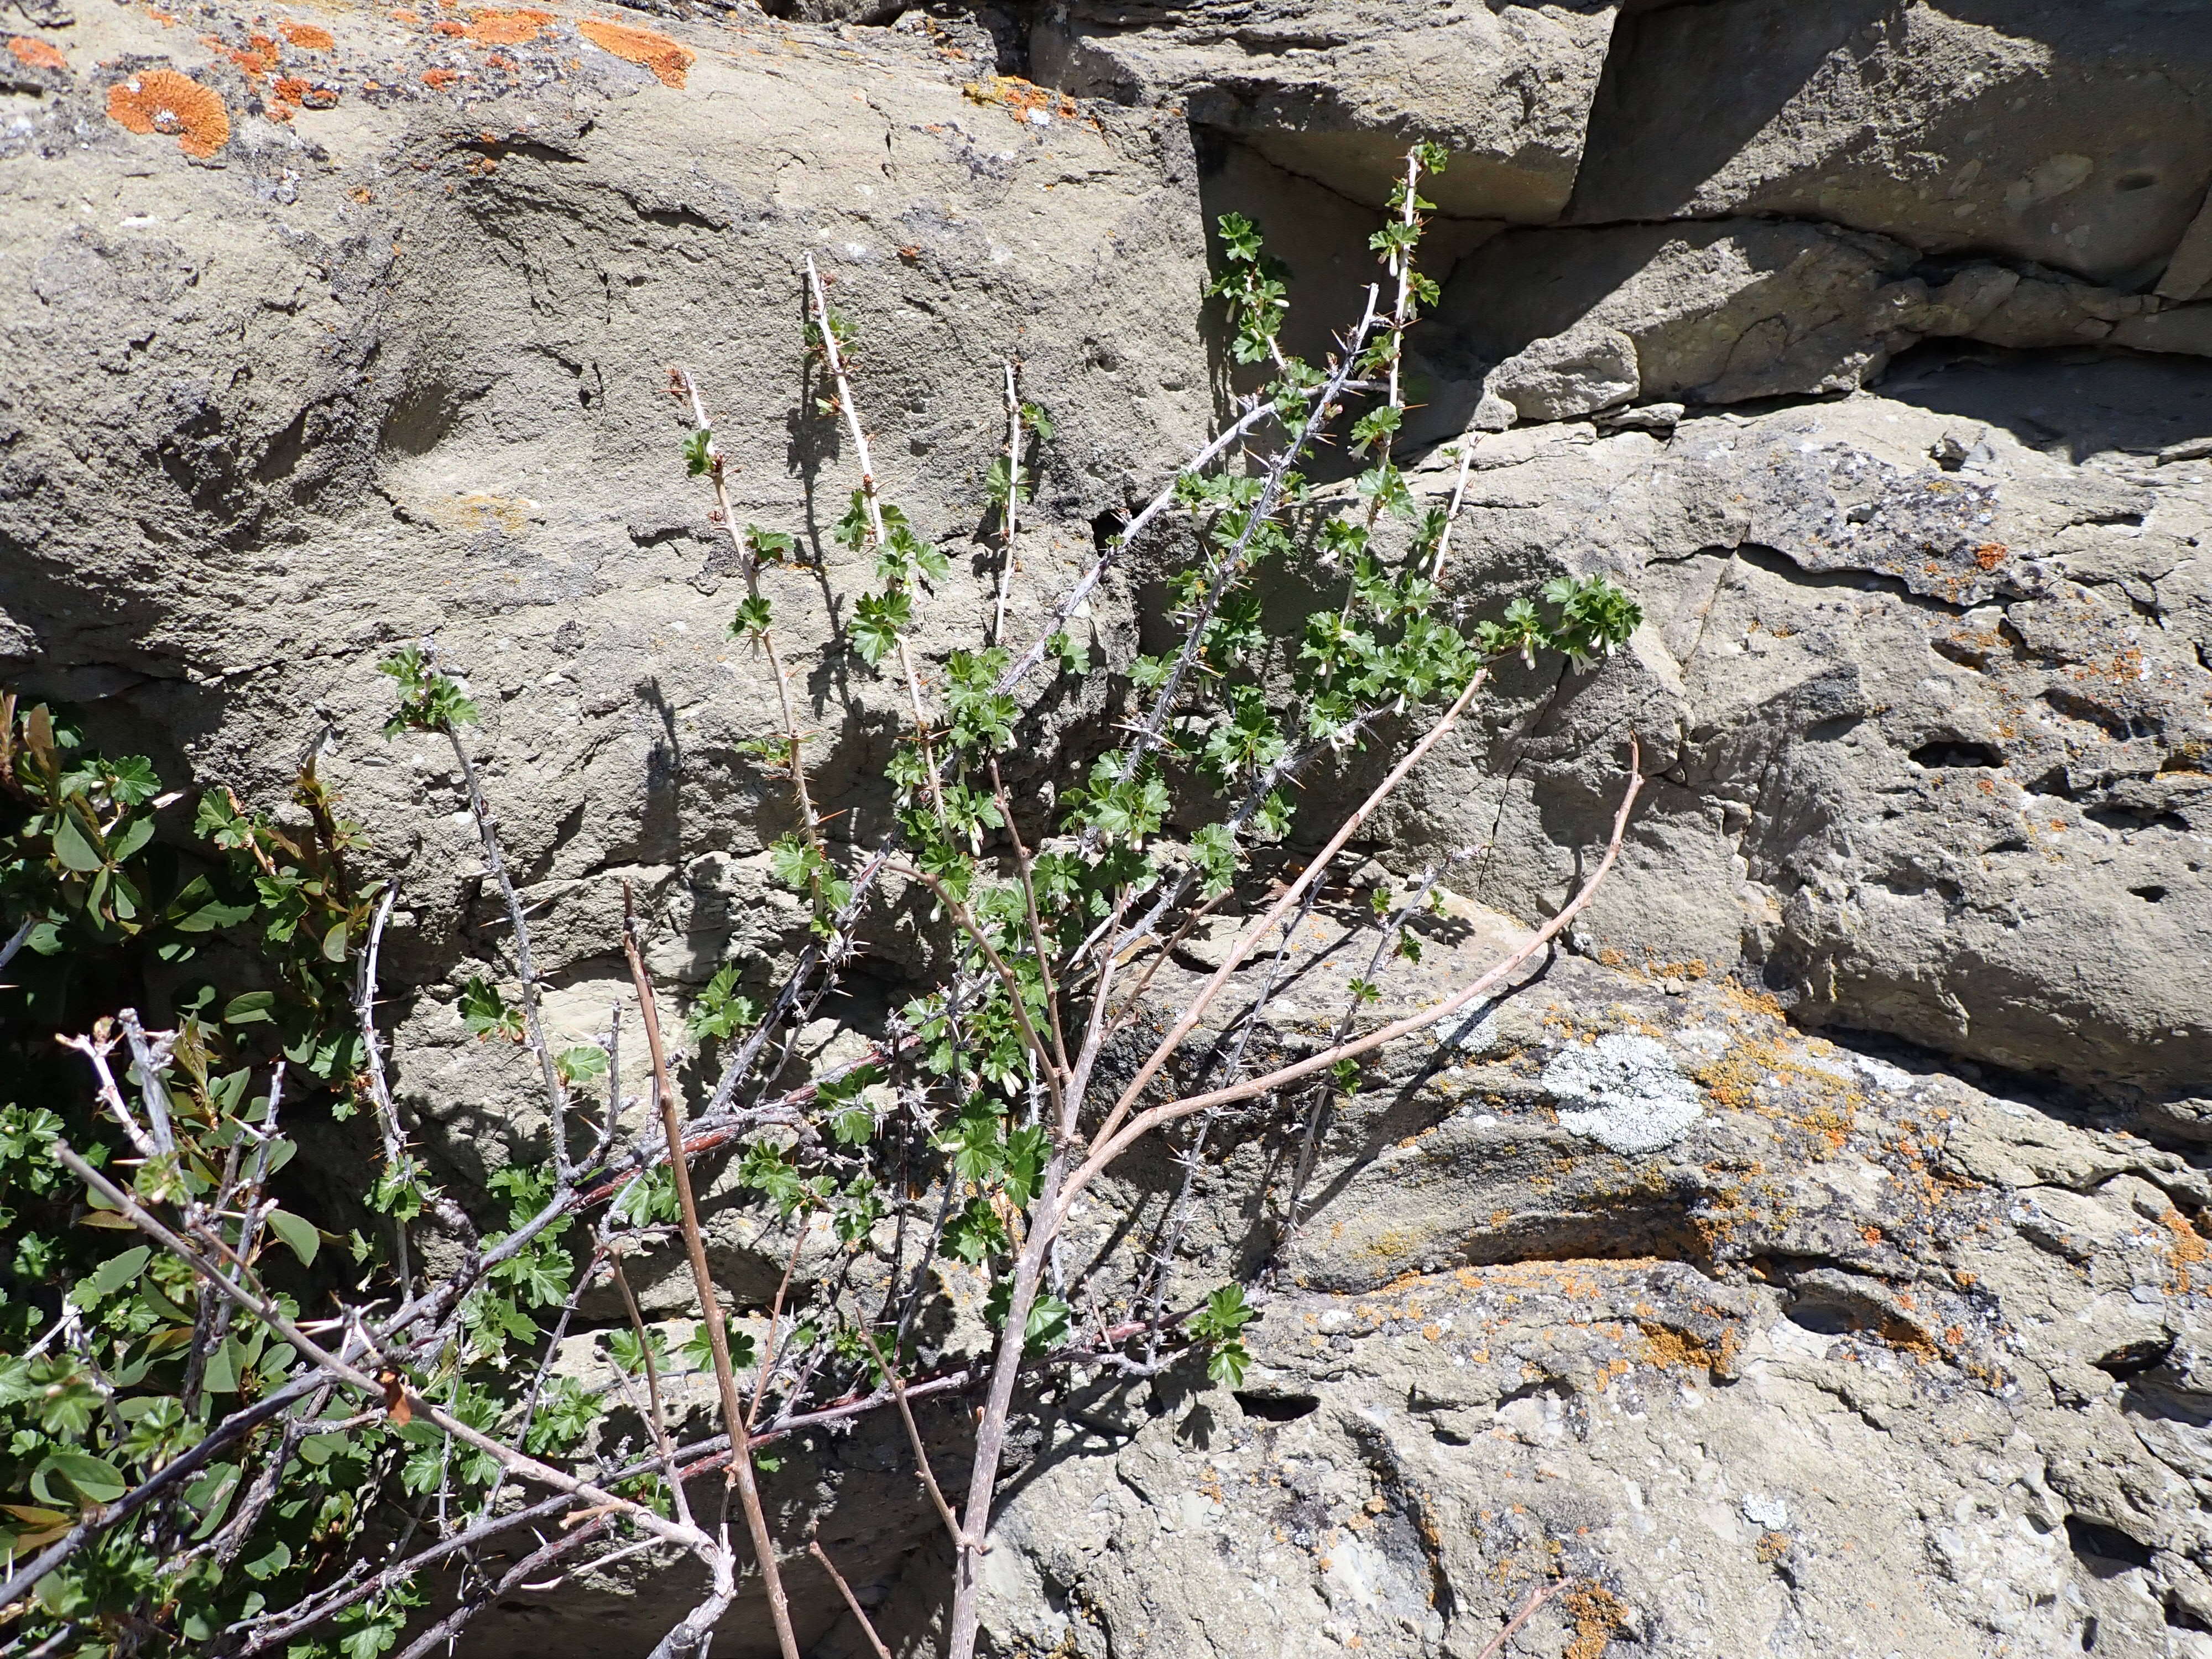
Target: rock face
(1785, 1347)
(2077, 137)
(1336, 89)
(1911, 723)
(1871, 344)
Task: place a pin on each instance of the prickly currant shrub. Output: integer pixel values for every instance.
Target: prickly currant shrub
(234, 1431)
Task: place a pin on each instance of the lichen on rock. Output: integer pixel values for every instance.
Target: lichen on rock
(164, 101)
(668, 61)
(1625, 1092)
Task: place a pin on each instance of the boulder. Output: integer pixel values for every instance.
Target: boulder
(1336, 89)
(1923, 697)
(2077, 136)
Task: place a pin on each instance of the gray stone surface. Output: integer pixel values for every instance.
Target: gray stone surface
(1868, 344)
(2077, 136)
(1870, 1361)
(1625, 1092)
(1336, 89)
(1920, 727)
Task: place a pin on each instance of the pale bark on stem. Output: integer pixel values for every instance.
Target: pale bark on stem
(710, 1306)
(1310, 1140)
(364, 1011)
(772, 1350)
(213, 1313)
(341, 1370)
(991, 1428)
(1015, 1001)
(751, 566)
(870, 499)
(1060, 1187)
(1451, 512)
(1403, 268)
(151, 1060)
(852, 1601)
(96, 1048)
(816, 953)
(1024, 866)
(660, 1423)
(1022, 666)
(1012, 507)
(556, 1092)
(1250, 939)
(913, 1433)
(1227, 566)
(188, 1463)
(1108, 1149)
(696, 1630)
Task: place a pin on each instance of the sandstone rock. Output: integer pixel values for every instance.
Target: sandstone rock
(1626, 1278)
(1579, 373)
(1843, 1380)
(1336, 89)
(350, 382)
(2077, 136)
(1576, 320)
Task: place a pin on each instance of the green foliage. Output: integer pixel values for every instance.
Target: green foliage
(98, 1412)
(721, 1011)
(67, 864)
(945, 1133)
(1219, 1325)
(878, 619)
(982, 715)
(1255, 286)
(580, 1063)
(486, 1014)
(430, 700)
(1595, 617)
(1050, 1318)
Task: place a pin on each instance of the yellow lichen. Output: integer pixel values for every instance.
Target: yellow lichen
(1599, 1617)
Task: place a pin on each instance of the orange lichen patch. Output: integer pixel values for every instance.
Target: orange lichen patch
(162, 100)
(1023, 100)
(2188, 1247)
(1599, 1617)
(664, 57)
(35, 54)
(253, 62)
(493, 28)
(298, 91)
(439, 77)
(163, 19)
(1990, 554)
(1771, 1547)
(447, 25)
(405, 16)
(308, 37)
(1671, 1350)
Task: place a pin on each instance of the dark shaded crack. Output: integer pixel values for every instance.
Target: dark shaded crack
(1779, 563)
